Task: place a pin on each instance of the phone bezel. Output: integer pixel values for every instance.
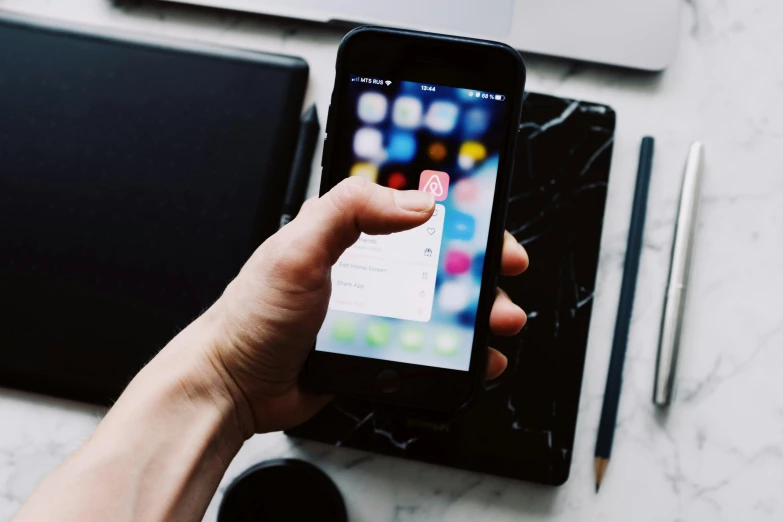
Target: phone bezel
(439, 60)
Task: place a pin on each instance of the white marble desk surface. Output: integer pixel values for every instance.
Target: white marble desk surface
(718, 455)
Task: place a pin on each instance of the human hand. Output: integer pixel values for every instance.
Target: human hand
(165, 445)
(264, 325)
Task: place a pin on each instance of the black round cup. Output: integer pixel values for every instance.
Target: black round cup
(282, 490)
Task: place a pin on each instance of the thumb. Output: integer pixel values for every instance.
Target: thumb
(335, 220)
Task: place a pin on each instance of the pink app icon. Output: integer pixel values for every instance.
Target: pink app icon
(435, 182)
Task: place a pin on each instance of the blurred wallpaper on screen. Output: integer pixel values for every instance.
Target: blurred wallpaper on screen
(401, 129)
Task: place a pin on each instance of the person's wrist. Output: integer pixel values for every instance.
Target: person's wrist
(177, 425)
(193, 364)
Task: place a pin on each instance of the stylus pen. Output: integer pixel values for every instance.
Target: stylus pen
(682, 246)
(614, 379)
(300, 171)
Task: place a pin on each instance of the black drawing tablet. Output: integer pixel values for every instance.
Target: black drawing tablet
(523, 426)
(136, 177)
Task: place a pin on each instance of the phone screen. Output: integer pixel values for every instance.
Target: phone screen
(412, 297)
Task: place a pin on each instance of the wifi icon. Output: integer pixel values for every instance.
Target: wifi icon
(388, 83)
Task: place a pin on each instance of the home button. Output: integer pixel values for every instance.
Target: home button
(387, 381)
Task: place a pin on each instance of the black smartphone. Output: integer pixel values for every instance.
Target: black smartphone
(408, 318)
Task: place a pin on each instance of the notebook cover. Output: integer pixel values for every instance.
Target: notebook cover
(136, 177)
(523, 426)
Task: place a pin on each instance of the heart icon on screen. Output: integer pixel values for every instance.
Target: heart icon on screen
(430, 231)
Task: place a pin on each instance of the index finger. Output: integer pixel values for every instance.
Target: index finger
(514, 259)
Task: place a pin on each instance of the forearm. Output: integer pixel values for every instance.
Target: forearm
(159, 454)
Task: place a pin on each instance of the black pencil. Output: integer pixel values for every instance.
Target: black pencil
(300, 170)
(614, 379)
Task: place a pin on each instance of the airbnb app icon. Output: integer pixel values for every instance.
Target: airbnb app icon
(436, 182)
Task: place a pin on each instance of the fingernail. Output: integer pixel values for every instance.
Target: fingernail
(414, 200)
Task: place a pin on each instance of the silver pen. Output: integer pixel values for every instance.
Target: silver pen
(673, 307)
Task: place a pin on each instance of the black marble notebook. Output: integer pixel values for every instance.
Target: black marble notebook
(523, 426)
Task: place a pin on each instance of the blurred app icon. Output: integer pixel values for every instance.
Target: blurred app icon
(456, 262)
(412, 339)
(402, 147)
(446, 343)
(397, 180)
(343, 329)
(476, 122)
(442, 117)
(368, 143)
(467, 317)
(454, 296)
(459, 226)
(365, 170)
(466, 191)
(470, 153)
(437, 151)
(406, 112)
(372, 107)
(436, 182)
(478, 266)
(378, 333)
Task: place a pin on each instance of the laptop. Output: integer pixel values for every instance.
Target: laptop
(640, 34)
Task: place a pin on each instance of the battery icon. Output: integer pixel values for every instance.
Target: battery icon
(500, 97)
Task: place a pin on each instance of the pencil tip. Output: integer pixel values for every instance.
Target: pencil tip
(600, 469)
